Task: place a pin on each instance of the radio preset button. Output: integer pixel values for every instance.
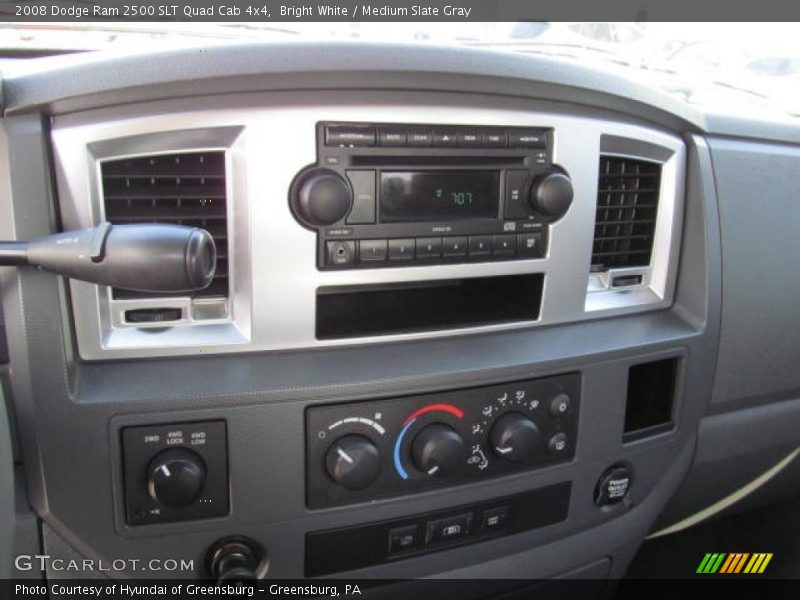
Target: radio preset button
(505, 245)
(429, 247)
(530, 245)
(454, 247)
(401, 250)
(371, 251)
(349, 135)
(341, 253)
(480, 246)
(527, 139)
(391, 137)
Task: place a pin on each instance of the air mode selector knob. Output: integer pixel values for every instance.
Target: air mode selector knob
(176, 477)
(515, 437)
(551, 194)
(438, 450)
(321, 198)
(353, 462)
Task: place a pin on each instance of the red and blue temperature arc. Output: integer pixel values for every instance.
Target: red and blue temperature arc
(448, 408)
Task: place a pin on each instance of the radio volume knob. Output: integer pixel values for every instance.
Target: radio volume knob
(353, 462)
(551, 194)
(438, 450)
(515, 437)
(321, 198)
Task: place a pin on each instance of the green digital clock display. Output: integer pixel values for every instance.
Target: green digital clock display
(413, 196)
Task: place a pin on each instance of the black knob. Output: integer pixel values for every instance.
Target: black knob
(551, 194)
(353, 461)
(515, 437)
(438, 450)
(321, 198)
(176, 477)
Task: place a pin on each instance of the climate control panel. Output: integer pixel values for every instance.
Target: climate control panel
(361, 451)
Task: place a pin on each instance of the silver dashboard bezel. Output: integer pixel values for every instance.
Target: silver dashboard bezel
(268, 138)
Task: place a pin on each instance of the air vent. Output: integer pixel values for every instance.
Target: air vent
(184, 189)
(627, 203)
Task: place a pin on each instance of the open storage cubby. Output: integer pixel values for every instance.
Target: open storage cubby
(409, 307)
(650, 405)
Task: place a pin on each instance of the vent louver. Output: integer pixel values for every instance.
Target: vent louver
(627, 204)
(183, 189)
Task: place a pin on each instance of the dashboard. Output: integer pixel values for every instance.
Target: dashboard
(495, 318)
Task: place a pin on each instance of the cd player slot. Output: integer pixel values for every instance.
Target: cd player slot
(433, 160)
(410, 307)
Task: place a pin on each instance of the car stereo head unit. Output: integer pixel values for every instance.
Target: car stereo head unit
(383, 195)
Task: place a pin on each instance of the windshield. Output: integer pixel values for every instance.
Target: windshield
(732, 67)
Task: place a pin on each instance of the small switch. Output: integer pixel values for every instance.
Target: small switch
(403, 539)
(448, 529)
(559, 406)
(494, 519)
(558, 444)
(480, 246)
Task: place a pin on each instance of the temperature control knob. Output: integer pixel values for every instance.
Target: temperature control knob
(176, 477)
(551, 194)
(353, 461)
(321, 198)
(515, 437)
(438, 450)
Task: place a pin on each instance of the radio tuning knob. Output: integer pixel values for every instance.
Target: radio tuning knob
(176, 477)
(353, 462)
(438, 450)
(551, 194)
(515, 437)
(321, 198)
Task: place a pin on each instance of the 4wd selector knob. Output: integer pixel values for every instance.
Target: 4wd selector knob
(321, 197)
(353, 461)
(551, 194)
(438, 450)
(515, 437)
(176, 477)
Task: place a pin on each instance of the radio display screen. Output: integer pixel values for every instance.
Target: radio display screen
(438, 195)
